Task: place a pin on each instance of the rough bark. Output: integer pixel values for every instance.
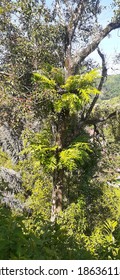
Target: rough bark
(57, 194)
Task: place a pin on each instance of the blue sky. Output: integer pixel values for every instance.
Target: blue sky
(111, 44)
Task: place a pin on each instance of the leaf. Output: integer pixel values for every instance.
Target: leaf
(80, 82)
(43, 81)
(74, 156)
(109, 226)
(58, 75)
(70, 101)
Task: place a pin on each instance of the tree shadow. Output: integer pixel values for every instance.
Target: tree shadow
(52, 242)
(84, 183)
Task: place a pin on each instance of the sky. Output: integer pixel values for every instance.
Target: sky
(111, 44)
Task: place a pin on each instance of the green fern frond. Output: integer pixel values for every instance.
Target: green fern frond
(70, 101)
(78, 82)
(75, 155)
(43, 81)
(109, 226)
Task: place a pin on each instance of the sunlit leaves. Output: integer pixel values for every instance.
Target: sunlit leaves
(78, 90)
(76, 155)
(68, 101)
(40, 148)
(82, 82)
(58, 75)
(43, 81)
(71, 158)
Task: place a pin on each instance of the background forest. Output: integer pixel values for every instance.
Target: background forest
(59, 133)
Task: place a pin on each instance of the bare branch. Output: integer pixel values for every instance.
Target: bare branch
(92, 46)
(2, 73)
(104, 70)
(76, 16)
(103, 77)
(95, 121)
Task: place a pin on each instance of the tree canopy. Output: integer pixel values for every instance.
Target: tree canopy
(56, 139)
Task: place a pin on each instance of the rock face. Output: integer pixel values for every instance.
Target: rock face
(12, 178)
(10, 183)
(9, 142)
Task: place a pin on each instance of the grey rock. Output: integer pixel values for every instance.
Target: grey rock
(12, 178)
(10, 142)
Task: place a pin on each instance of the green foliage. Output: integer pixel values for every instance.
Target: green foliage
(79, 88)
(117, 9)
(82, 83)
(38, 102)
(70, 158)
(41, 143)
(5, 160)
(88, 225)
(36, 195)
(111, 88)
(14, 243)
(43, 81)
(109, 227)
(40, 149)
(73, 219)
(19, 243)
(76, 155)
(68, 101)
(58, 75)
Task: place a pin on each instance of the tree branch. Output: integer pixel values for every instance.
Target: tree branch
(76, 16)
(2, 73)
(103, 77)
(92, 46)
(100, 120)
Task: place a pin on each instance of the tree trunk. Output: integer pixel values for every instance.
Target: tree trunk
(57, 194)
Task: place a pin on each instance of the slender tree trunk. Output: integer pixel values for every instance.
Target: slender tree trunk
(57, 194)
(68, 63)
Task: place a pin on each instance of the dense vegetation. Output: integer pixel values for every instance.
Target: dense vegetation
(111, 87)
(60, 149)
